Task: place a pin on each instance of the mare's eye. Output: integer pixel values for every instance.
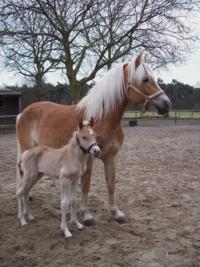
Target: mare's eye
(146, 80)
(84, 137)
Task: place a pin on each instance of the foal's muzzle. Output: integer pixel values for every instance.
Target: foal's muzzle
(95, 150)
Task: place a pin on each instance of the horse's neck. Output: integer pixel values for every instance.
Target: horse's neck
(113, 119)
(75, 149)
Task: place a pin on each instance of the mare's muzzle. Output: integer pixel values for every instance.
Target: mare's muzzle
(162, 104)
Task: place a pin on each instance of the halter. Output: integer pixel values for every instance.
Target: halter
(85, 150)
(147, 98)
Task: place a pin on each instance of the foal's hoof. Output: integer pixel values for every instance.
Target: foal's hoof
(79, 226)
(67, 234)
(90, 222)
(30, 197)
(121, 219)
(23, 222)
(30, 217)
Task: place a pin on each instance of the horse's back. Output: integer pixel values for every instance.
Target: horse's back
(46, 123)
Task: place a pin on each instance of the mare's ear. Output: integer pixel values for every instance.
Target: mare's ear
(138, 60)
(91, 123)
(81, 124)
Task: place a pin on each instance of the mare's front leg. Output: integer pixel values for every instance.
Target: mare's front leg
(85, 187)
(110, 169)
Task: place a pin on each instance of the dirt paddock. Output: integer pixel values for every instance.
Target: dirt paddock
(158, 188)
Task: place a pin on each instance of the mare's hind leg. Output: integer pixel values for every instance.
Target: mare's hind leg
(110, 169)
(73, 205)
(85, 187)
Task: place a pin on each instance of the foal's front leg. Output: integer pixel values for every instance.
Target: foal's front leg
(65, 202)
(110, 169)
(85, 187)
(73, 205)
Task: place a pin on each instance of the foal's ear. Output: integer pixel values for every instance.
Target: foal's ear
(81, 124)
(91, 123)
(138, 60)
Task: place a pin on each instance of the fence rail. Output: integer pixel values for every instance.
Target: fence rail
(180, 117)
(7, 124)
(8, 120)
(133, 118)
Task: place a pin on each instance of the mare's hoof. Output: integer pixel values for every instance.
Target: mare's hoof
(121, 219)
(90, 222)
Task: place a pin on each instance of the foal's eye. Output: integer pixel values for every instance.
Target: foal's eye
(84, 137)
(146, 80)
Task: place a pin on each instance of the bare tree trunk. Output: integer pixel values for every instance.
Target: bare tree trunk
(39, 86)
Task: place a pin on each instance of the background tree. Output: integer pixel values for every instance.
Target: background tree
(93, 34)
(30, 55)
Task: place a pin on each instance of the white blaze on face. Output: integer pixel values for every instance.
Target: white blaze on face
(91, 132)
(85, 123)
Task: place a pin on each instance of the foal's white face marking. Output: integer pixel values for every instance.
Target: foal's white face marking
(91, 132)
(87, 138)
(85, 123)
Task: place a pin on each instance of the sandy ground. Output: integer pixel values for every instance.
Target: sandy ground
(158, 188)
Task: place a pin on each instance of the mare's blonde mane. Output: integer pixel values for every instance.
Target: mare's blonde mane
(108, 91)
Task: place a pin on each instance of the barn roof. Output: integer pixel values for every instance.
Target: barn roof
(7, 92)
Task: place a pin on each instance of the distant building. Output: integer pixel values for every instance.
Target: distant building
(10, 102)
(10, 106)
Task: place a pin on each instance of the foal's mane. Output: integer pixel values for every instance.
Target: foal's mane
(108, 91)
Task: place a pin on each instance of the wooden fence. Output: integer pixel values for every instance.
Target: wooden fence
(131, 118)
(151, 118)
(7, 123)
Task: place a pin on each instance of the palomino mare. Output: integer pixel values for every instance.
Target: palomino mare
(52, 124)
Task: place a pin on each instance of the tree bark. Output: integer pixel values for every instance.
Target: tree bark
(39, 86)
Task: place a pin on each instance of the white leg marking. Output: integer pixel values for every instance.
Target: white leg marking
(65, 192)
(110, 169)
(73, 206)
(20, 205)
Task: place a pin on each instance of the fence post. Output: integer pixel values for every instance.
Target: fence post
(175, 118)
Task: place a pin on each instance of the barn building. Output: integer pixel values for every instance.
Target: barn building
(10, 106)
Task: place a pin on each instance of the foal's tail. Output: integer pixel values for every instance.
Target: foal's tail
(19, 165)
(19, 172)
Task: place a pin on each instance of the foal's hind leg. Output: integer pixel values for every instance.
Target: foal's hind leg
(27, 187)
(22, 195)
(85, 187)
(110, 168)
(20, 206)
(73, 205)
